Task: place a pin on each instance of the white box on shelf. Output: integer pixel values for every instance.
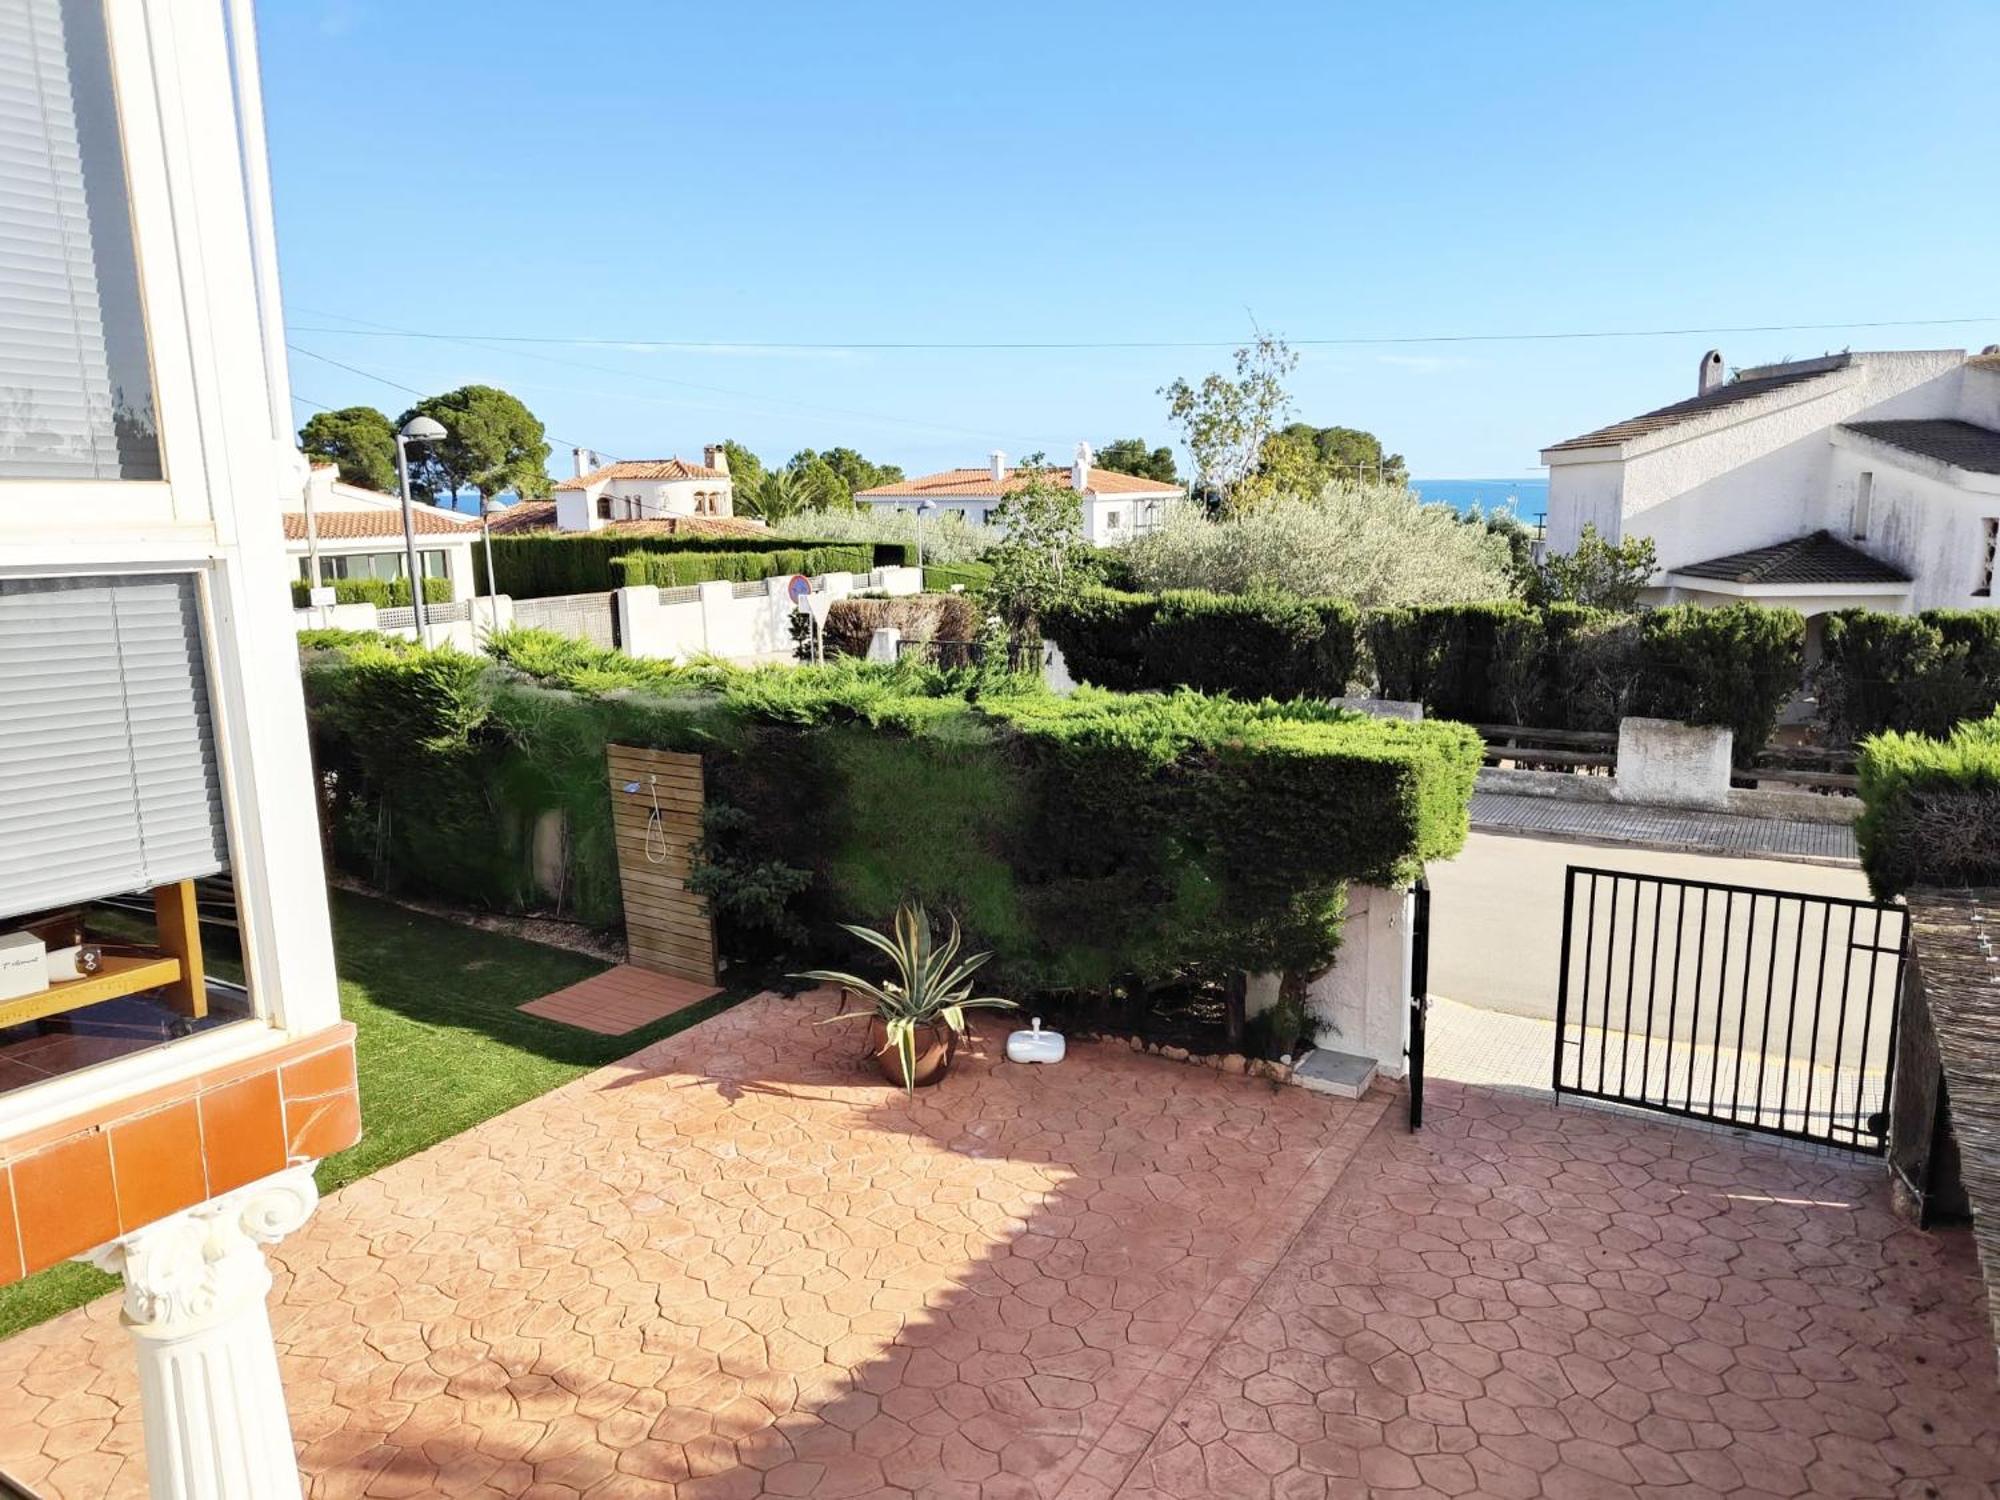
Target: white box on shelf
(24, 968)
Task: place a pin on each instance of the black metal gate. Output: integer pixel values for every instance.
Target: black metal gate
(1420, 998)
(1766, 1010)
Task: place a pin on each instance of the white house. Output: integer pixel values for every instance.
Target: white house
(643, 489)
(152, 726)
(358, 533)
(1116, 507)
(1864, 479)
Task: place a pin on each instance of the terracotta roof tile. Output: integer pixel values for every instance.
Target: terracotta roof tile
(949, 482)
(1720, 399)
(1819, 557)
(1963, 445)
(643, 468)
(540, 515)
(352, 525)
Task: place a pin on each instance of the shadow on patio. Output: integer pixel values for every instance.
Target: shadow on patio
(737, 1265)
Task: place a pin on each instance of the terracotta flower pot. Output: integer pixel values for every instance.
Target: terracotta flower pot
(935, 1046)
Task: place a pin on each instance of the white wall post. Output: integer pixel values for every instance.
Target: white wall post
(884, 643)
(195, 1289)
(1361, 1006)
(1662, 763)
(716, 597)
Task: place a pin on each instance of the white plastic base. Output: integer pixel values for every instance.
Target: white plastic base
(1035, 1045)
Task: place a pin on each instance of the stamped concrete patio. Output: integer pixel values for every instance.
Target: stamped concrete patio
(737, 1265)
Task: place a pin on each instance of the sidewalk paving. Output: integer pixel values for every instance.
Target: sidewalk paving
(1664, 828)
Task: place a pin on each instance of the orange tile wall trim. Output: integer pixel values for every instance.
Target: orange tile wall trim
(70, 1186)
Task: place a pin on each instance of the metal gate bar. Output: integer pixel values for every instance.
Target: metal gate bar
(1755, 1008)
(1420, 997)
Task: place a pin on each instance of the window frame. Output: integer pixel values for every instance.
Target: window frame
(190, 125)
(1989, 529)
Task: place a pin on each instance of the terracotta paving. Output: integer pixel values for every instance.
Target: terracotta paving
(738, 1265)
(1525, 1301)
(620, 1000)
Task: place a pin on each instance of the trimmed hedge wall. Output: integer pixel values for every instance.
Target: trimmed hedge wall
(1090, 841)
(1264, 645)
(973, 577)
(544, 564)
(679, 569)
(1933, 808)
(383, 593)
(1922, 673)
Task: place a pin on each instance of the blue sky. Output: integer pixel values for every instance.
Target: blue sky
(872, 173)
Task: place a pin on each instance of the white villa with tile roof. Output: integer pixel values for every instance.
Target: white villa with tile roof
(643, 489)
(1855, 480)
(358, 533)
(1116, 507)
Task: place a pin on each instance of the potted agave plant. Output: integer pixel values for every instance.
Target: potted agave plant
(917, 1017)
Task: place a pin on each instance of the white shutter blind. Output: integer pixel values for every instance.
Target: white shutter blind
(108, 779)
(75, 389)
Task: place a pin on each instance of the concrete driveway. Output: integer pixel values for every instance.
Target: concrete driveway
(1496, 910)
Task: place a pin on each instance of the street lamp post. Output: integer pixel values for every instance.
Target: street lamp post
(922, 507)
(416, 430)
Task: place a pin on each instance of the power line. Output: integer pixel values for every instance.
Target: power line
(380, 330)
(382, 380)
(1346, 340)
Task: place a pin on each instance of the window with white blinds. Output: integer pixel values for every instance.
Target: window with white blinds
(76, 396)
(108, 779)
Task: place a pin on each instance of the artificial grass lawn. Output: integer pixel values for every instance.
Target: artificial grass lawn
(439, 1047)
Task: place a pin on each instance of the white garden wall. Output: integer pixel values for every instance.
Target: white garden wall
(740, 622)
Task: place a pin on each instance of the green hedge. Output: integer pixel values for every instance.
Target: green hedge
(1736, 665)
(942, 578)
(1564, 667)
(1923, 673)
(679, 569)
(543, 564)
(1933, 808)
(1264, 645)
(383, 593)
(1091, 841)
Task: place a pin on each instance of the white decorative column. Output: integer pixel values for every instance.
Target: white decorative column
(195, 1289)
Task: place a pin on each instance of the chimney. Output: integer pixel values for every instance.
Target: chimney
(998, 462)
(1079, 473)
(1713, 373)
(586, 460)
(716, 457)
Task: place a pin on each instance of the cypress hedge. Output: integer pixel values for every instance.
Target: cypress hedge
(1921, 673)
(1262, 645)
(383, 593)
(1932, 815)
(680, 569)
(1097, 840)
(972, 577)
(540, 565)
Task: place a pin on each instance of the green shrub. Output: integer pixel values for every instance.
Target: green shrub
(1736, 665)
(541, 565)
(1091, 841)
(1923, 673)
(1932, 815)
(1452, 658)
(383, 593)
(1256, 645)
